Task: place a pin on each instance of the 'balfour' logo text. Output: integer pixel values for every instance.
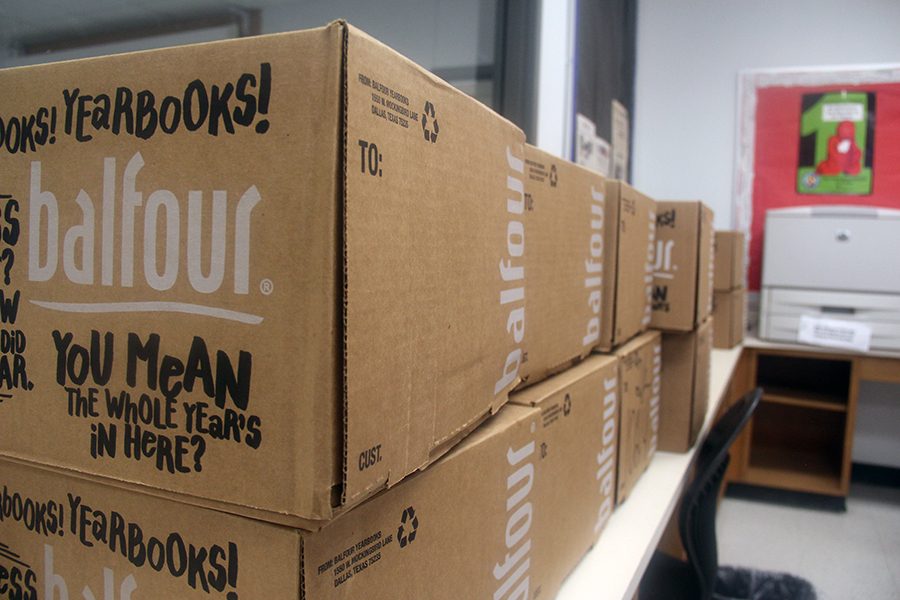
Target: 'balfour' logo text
(512, 572)
(654, 398)
(606, 458)
(512, 271)
(121, 210)
(55, 585)
(663, 266)
(648, 268)
(593, 266)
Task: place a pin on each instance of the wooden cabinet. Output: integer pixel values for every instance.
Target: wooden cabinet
(801, 436)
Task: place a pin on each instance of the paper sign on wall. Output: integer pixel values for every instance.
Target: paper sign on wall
(591, 150)
(620, 141)
(834, 333)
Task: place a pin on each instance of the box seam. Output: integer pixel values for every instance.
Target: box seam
(342, 229)
(302, 578)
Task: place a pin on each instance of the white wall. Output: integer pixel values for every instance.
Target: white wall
(689, 53)
(877, 438)
(556, 61)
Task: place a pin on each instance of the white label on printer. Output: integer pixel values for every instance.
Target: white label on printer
(848, 335)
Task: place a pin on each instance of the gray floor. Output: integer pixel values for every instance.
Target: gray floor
(847, 556)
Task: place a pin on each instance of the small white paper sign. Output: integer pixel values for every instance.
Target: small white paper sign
(620, 141)
(834, 333)
(591, 150)
(585, 133)
(602, 156)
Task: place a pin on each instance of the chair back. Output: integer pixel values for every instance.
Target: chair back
(697, 519)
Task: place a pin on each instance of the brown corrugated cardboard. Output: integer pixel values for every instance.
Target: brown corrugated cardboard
(685, 386)
(729, 314)
(682, 267)
(627, 266)
(564, 263)
(729, 260)
(280, 272)
(506, 514)
(640, 363)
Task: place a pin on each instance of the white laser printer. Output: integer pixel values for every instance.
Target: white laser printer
(831, 262)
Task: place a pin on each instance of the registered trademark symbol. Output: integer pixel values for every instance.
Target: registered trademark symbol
(266, 286)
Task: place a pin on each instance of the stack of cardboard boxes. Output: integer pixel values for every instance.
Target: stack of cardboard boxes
(630, 230)
(730, 298)
(296, 319)
(682, 303)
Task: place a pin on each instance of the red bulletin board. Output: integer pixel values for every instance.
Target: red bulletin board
(776, 150)
(768, 151)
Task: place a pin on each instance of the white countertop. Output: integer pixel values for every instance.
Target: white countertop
(614, 566)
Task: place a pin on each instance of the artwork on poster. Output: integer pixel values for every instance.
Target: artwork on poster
(837, 139)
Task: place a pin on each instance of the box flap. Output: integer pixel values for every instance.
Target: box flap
(701, 378)
(679, 352)
(610, 262)
(729, 260)
(636, 235)
(728, 328)
(737, 256)
(433, 196)
(640, 364)
(675, 270)
(705, 264)
(533, 395)
(564, 262)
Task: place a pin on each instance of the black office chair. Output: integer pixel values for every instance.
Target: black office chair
(668, 578)
(700, 578)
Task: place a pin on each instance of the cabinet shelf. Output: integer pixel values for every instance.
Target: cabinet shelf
(805, 399)
(794, 469)
(797, 443)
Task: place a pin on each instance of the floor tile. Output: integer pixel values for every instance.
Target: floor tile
(847, 556)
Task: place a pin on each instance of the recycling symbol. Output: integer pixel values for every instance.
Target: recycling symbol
(567, 405)
(554, 177)
(409, 523)
(428, 118)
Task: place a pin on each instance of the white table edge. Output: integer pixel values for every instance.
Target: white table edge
(612, 569)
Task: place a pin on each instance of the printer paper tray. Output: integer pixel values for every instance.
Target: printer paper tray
(782, 308)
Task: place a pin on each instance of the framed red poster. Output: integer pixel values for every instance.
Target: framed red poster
(814, 136)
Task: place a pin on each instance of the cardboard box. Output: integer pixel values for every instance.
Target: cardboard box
(685, 386)
(640, 364)
(728, 261)
(509, 512)
(630, 226)
(565, 223)
(287, 274)
(730, 321)
(683, 265)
